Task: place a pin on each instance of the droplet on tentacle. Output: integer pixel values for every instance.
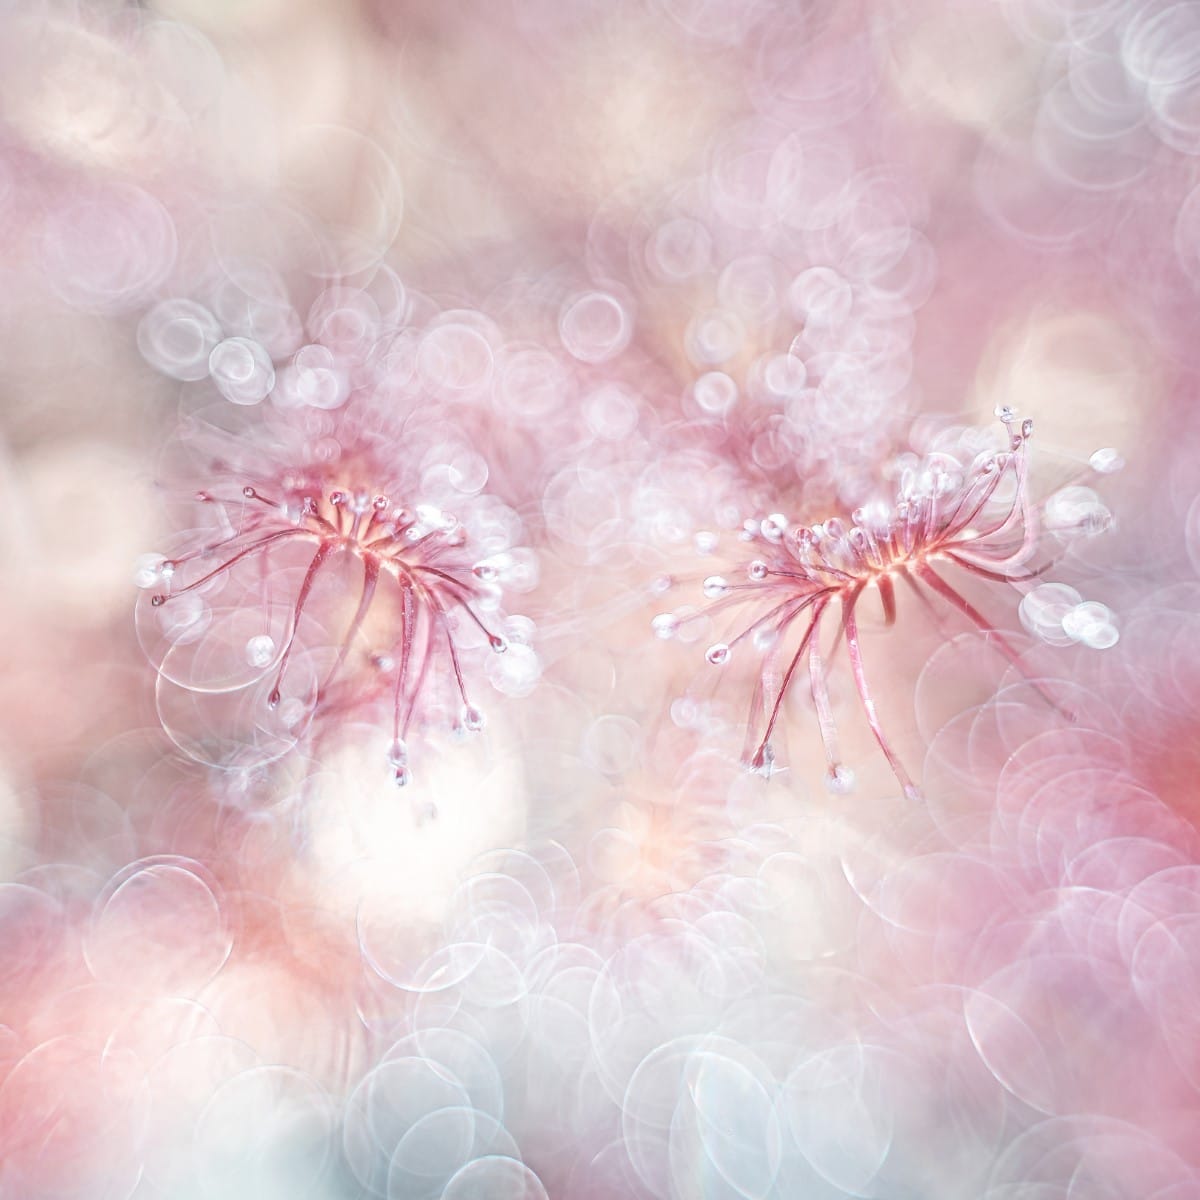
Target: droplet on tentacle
(665, 626)
(773, 527)
(763, 761)
(717, 654)
(839, 780)
(1106, 461)
(260, 650)
(149, 570)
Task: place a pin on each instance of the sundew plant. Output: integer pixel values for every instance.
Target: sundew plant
(340, 499)
(602, 600)
(976, 517)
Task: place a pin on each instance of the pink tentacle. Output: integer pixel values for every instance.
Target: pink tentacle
(868, 703)
(314, 567)
(990, 632)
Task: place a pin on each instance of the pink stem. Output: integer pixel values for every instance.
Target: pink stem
(820, 695)
(813, 623)
(262, 543)
(977, 568)
(318, 560)
(370, 579)
(990, 632)
(868, 702)
(796, 607)
(419, 683)
(458, 675)
(991, 482)
(407, 633)
(462, 590)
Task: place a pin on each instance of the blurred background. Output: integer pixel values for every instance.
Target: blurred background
(606, 280)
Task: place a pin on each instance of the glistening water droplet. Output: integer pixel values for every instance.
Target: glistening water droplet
(260, 650)
(839, 780)
(665, 626)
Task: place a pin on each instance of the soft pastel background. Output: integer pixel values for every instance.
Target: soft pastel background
(657, 266)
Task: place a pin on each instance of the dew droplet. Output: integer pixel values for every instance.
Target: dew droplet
(398, 753)
(1006, 413)
(715, 586)
(273, 699)
(1106, 461)
(249, 493)
(380, 503)
(485, 571)
(260, 650)
(758, 570)
(148, 570)
(401, 776)
(717, 654)
(763, 762)
(497, 643)
(665, 626)
(773, 527)
(158, 601)
(764, 638)
(1027, 427)
(471, 718)
(839, 780)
